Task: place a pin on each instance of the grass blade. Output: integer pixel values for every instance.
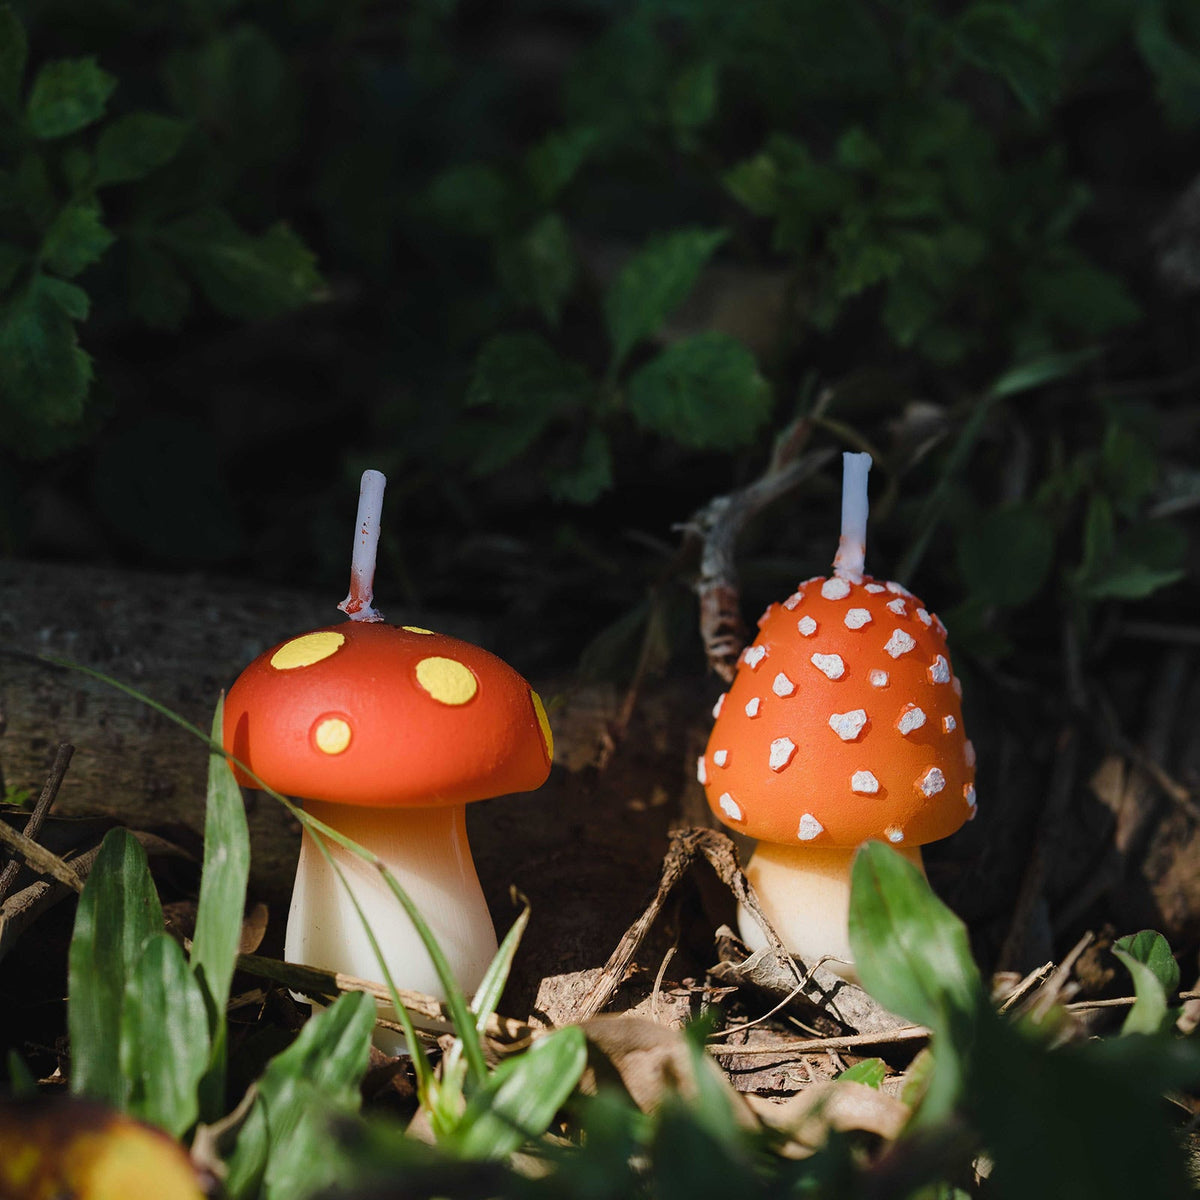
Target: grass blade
(484, 1002)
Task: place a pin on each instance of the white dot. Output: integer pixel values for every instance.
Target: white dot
(878, 678)
(864, 783)
(924, 617)
(969, 794)
(793, 601)
(969, 752)
(782, 685)
(932, 782)
(911, 718)
(729, 806)
(856, 618)
(949, 724)
(876, 588)
(752, 706)
(897, 606)
(765, 614)
(753, 655)
(835, 589)
(937, 623)
(894, 834)
(720, 757)
(720, 704)
(807, 626)
(956, 684)
(809, 828)
(848, 725)
(782, 750)
(701, 771)
(829, 664)
(899, 643)
(898, 588)
(939, 672)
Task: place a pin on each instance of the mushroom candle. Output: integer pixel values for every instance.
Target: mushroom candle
(387, 733)
(843, 723)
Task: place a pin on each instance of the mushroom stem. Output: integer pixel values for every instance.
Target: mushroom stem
(357, 604)
(852, 546)
(805, 892)
(426, 850)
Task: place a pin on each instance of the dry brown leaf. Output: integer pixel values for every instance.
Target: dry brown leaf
(807, 1118)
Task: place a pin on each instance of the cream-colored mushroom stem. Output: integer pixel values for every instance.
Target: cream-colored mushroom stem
(426, 850)
(805, 892)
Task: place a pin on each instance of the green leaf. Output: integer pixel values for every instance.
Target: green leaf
(43, 372)
(472, 199)
(704, 392)
(521, 1096)
(21, 1082)
(589, 476)
(538, 267)
(1175, 67)
(1001, 39)
(555, 161)
(76, 239)
(692, 96)
(118, 913)
(1081, 296)
(164, 1037)
(14, 49)
(12, 259)
(871, 1071)
(1005, 555)
(1038, 372)
(132, 146)
(67, 96)
(1155, 973)
(1132, 562)
(487, 994)
(527, 384)
(242, 275)
(158, 293)
(653, 284)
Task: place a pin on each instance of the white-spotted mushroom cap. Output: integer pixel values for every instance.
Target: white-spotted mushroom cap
(383, 715)
(862, 739)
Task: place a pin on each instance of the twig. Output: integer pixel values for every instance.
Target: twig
(658, 982)
(1045, 999)
(62, 760)
(1027, 985)
(905, 1033)
(39, 858)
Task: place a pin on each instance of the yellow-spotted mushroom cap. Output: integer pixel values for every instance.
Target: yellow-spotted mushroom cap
(382, 715)
(843, 723)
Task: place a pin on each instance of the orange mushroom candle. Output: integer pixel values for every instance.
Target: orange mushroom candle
(386, 733)
(843, 723)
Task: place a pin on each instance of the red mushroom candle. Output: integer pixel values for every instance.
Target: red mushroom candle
(843, 723)
(386, 733)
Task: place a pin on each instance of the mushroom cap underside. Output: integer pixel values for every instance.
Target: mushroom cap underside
(382, 715)
(843, 723)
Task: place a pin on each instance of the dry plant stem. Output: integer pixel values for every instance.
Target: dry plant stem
(849, 1041)
(39, 858)
(62, 760)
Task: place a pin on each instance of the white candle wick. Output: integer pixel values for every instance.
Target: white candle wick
(357, 604)
(852, 547)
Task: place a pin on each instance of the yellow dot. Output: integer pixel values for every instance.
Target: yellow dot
(447, 680)
(308, 649)
(332, 735)
(543, 724)
(417, 629)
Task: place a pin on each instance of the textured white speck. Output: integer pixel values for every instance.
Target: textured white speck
(924, 617)
(894, 834)
(730, 807)
(807, 626)
(782, 750)
(876, 588)
(720, 704)
(937, 624)
(765, 614)
(969, 752)
(911, 717)
(956, 684)
(878, 678)
(811, 579)
(899, 643)
(809, 828)
(969, 794)
(835, 589)
(939, 671)
(753, 655)
(848, 725)
(782, 685)
(932, 782)
(752, 706)
(701, 771)
(864, 783)
(793, 601)
(829, 664)
(897, 606)
(898, 588)
(856, 618)
(720, 757)
(949, 724)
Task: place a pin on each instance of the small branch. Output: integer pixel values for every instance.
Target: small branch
(62, 760)
(40, 859)
(849, 1041)
(357, 604)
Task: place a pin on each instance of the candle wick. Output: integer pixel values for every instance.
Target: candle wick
(357, 604)
(851, 555)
